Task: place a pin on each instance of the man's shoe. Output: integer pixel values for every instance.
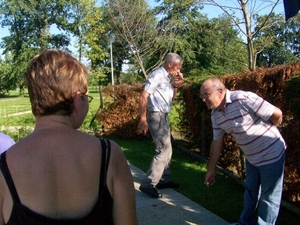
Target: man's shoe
(151, 191)
(167, 185)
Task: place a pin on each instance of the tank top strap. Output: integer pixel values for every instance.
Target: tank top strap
(106, 148)
(8, 178)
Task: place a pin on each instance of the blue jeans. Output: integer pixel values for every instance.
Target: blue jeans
(263, 189)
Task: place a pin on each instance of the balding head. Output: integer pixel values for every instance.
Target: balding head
(214, 82)
(212, 92)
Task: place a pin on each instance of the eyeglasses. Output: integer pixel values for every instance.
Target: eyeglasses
(90, 98)
(206, 95)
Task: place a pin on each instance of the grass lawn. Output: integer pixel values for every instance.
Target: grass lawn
(16, 118)
(225, 198)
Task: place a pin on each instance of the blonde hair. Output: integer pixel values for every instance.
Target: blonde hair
(52, 78)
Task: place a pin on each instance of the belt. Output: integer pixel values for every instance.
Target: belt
(158, 112)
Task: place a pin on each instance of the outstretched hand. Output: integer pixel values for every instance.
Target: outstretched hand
(209, 179)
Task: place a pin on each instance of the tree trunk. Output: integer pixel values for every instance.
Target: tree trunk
(250, 46)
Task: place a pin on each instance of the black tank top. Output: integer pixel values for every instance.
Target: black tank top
(100, 214)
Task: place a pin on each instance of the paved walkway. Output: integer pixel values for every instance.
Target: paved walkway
(173, 208)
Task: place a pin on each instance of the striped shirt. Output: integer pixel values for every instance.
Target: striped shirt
(246, 118)
(161, 91)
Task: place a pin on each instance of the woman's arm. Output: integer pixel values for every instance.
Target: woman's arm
(123, 192)
(2, 190)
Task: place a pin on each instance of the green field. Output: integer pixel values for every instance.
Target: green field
(17, 120)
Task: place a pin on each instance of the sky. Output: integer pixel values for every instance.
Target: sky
(210, 11)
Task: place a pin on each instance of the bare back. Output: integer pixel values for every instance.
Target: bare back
(59, 177)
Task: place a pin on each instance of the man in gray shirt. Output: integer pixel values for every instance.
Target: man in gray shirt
(154, 105)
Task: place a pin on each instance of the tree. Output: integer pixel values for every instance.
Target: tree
(216, 47)
(7, 82)
(175, 20)
(285, 41)
(207, 46)
(244, 15)
(292, 35)
(30, 24)
(120, 48)
(91, 40)
(135, 29)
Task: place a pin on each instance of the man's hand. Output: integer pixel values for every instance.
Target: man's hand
(209, 178)
(142, 127)
(215, 151)
(178, 80)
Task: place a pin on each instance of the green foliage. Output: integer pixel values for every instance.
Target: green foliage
(197, 75)
(16, 118)
(221, 50)
(207, 46)
(129, 78)
(280, 41)
(244, 16)
(174, 116)
(98, 76)
(7, 82)
(29, 24)
(293, 95)
(91, 32)
(141, 36)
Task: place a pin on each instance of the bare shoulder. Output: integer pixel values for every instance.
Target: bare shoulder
(118, 165)
(118, 169)
(116, 152)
